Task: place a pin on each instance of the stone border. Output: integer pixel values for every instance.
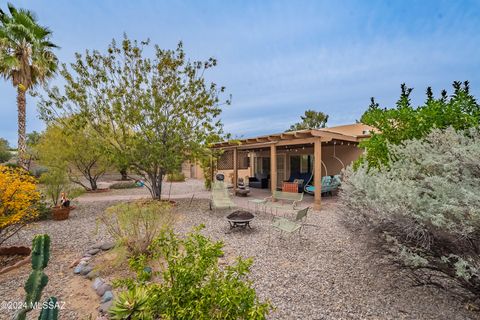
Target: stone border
(82, 267)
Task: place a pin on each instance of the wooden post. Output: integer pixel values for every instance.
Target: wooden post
(273, 167)
(235, 169)
(317, 173)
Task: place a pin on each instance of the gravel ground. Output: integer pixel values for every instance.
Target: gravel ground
(327, 275)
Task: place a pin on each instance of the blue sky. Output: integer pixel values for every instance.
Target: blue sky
(278, 58)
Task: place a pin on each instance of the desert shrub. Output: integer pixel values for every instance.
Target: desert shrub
(424, 206)
(5, 153)
(37, 172)
(18, 199)
(55, 181)
(176, 177)
(192, 284)
(124, 185)
(134, 225)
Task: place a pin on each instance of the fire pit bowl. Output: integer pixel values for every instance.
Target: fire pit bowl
(240, 219)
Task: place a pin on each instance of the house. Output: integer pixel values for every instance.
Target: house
(277, 157)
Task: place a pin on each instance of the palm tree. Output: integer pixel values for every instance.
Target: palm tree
(26, 58)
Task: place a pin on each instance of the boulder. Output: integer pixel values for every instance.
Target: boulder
(107, 296)
(107, 246)
(104, 307)
(92, 274)
(103, 288)
(93, 251)
(97, 283)
(86, 270)
(79, 268)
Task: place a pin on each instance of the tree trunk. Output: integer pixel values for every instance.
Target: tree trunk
(22, 109)
(93, 184)
(156, 183)
(124, 174)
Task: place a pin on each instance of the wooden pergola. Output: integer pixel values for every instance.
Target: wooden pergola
(316, 137)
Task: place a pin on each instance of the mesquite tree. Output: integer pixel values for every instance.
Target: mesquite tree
(153, 113)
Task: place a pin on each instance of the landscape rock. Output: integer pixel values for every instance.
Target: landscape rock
(86, 270)
(79, 268)
(92, 274)
(104, 307)
(97, 245)
(93, 251)
(107, 246)
(85, 259)
(97, 283)
(103, 288)
(107, 296)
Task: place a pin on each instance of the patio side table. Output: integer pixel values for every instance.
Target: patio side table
(257, 203)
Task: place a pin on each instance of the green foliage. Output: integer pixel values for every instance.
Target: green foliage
(208, 160)
(192, 284)
(55, 181)
(37, 280)
(310, 120)
(124, 185)
(5, 153)
(132, 304)
(153, 113)
(460, 111)
(176, 177)
(425, 205)
(26, 58)
(135, 225)
(75, 151)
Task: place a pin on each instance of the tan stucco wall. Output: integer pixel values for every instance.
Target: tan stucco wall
(242, 173)
(192, 171)
(346, 153)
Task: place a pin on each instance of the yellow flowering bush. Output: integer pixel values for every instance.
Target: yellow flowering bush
(18, 198)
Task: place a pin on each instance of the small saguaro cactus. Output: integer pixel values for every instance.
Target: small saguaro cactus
(38, 279)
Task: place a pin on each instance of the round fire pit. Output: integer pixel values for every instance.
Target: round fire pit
(240, 219)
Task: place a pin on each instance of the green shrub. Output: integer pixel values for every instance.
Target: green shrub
(134, 225)
(55, 182)
(404, 122)
(192, 284)
(39, 171)
(176, 177)
(5, 153)
(424, 205)
(124, 185)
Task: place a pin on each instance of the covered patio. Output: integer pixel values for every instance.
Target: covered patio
(273, 159)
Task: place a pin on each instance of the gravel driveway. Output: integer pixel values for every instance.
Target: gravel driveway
(328, 275)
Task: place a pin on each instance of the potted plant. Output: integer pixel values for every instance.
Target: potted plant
(57, 185)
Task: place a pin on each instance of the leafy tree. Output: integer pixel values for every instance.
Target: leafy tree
(74, 151)
(26, 58)
(424, 207)
(192, 285)
(404, 122)
(18, 199)
(5, 153)
(153, 112)
(310, 120)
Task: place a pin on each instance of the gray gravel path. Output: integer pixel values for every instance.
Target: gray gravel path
(327, 275)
